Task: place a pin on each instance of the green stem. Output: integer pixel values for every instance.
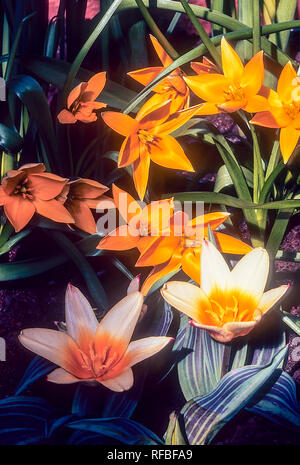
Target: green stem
(156, 31)
(256, 27)
(258, 172)
(202, 34)
(274, 158)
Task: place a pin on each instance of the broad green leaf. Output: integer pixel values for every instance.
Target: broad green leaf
(223, 178)
(10, 140)
(285, 11)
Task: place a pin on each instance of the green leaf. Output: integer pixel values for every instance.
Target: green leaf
(210, 197)
(13, 241)
(285, 12)
(10, 140)
(223, 178)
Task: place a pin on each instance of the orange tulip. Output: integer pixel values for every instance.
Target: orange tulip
(229, 303)
(235, 89)
(28, 190)
(147, 138)
(79, 196)
(284, 111)
(205, 67)
(141, 222)
(170, 253)
(81, 101)
(94, 352)
(172, 87)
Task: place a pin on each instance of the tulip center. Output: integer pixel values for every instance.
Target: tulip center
(228, 309)
(292, 109)
(145, 137)
(234, 93)
(98, 364)
(23, 190)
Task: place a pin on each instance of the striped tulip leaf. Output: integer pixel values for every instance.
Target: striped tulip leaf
(204, 416)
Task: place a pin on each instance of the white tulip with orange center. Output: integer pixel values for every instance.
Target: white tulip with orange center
(93, 351)
(228, 303)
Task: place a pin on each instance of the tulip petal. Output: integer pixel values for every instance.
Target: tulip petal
(266, 119)
(144, 348)
(129, 151)
(288, 140)
(168, 152)
(232, 245)
(54, 210)
(216, 274)
(19, 211)
(253, 75)
(146, 75)
(160, 250)
(87, 188)
(191, 263)
(94, 87)
(45, 186)
(66, 117)
(151, 120)
(141, 171)
(177, 119)
(159, 272)
(76, 93)
(232, 105)
(231, 63)
(229, 331)
(271, 297)
(214, 219)
(80, 318)
(61, 376)
(287, 82)
(257, 103)
(82, 215)
(209, 87)
(122, 124)
(249, 276)
(55, 346)
(188, 299)
(162, 54)
(120, 321)
(120, 383)
(125, 203)
(119, 239)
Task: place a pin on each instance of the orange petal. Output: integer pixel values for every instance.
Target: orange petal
(229, 244)
(87, 188)
(11, 180)
(209, 87)
(167, 152)
(19, 211)
(191, 264)
(125, 203)
(287, 82)
(82, 215)
(31, 168)
(66, 117)
(177, 119)
(231, 63)
(155, 217)
(160, 250)
(54, 210)
(162, 54)
(129, 151)
(45, 186)
(213, 219)
(288, 141)
(76, 93)
(266, 119)
(154, 118)
(146, 75)
(253, 75)
(122, 124)
(232, 106)
(141, 172)
(94, 87)
(119, 239)
(208, 109)
(257, 103)
(159, 272)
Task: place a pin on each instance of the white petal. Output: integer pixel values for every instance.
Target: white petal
(47, 343)
(120, 321)
(187, 298)
(250, 274)
(61, 376)
(79, 313)
(215, 273)
(145, 348)
(229, 331)
(271, 297)
(123, 382)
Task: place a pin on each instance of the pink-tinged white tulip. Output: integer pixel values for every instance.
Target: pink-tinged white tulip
(228, 303)
(92, 351)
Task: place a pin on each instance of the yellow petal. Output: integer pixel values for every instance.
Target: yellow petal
(253, 75)
(288, 140)
(141, 171)
(231, 63)
(167, 152)
(286, 82)
(257, 103)
(209, 87)
(191, 264)
(188, 299)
